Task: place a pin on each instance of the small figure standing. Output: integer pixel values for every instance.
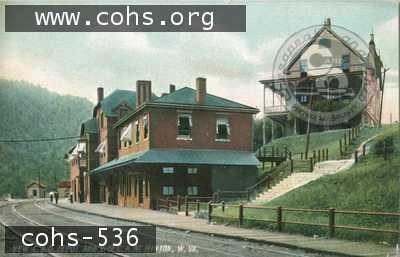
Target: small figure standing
(71, 198)
(51, 197)
(56, 196)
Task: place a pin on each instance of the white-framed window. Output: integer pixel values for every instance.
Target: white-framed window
(146, 126)
(126, 135)
(345, 62)
(184, 125)
(192, 190)
(303, 66)
(303, 98)
(168, 170)
(168, 190)
(137, 131)
(223, 130)
(192, 170)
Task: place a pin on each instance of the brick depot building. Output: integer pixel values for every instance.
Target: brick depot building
(138, 147)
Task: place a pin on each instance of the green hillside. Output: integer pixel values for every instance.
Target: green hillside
(373, 185)
(318, 140)
(31, 112)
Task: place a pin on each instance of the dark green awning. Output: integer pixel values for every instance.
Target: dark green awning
(183, 156)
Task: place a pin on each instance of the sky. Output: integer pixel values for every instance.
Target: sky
(233, 63)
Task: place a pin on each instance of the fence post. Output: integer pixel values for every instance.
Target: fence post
(279, 218)
(301, 155)
(268, 182)
(345, 142)
(286, 152)
(331, 224)
(272, 156)
(290, 155)
(240, 215)
(319, 155)
(209, 211)
(350, 139)
(323, 154)
(314, 156)
(223, 206)
(355, 156)
(248, 195)
(186, 206)
(291, 165)
(364, 149)
(168, 204)
(263, 159)
(311, 165)
(198, 206)
(340, 147)
(178, 202)
(327, 154)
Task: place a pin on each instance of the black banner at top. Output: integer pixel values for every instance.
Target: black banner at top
(125, 18)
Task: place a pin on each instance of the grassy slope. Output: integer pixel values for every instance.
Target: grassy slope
(371, 185)
(319, 140)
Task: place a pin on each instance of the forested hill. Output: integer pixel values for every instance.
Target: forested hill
(30, 112)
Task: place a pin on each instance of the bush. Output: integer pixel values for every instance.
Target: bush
(381, 143)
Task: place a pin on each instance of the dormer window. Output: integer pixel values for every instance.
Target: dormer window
(345, 63)
(303, 68)
(184, 125)
(222, 129)
(122, 111)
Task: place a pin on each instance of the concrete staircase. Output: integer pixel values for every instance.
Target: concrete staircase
(299, 179)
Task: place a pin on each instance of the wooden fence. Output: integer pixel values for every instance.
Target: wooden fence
(186, 203)
(331, 225)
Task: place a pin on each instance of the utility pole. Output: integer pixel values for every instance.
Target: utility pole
(263, 118)
(308, 123)
(39, 182)
(383, 88)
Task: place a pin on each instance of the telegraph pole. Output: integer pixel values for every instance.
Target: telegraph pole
(383, 88)
(39, 183)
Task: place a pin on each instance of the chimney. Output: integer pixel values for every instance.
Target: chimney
(143, 92)
(201, 90)
(328, 22)
(171, 88)
(100, 94)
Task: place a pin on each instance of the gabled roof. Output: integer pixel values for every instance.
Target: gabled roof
(314, 38)
(117, 97)
(182, 156)
(187, 96)
(89, 127)
(36, 183)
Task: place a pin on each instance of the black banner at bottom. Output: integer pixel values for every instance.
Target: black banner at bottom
(80, 239)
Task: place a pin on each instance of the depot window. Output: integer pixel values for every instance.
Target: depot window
(184, 125)
(168, 170)
(193, 190)
(222, 129)
(168, 190)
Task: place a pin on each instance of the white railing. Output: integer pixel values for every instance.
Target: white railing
(276, 108)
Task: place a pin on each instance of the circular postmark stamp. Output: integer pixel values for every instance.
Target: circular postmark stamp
(320, 73)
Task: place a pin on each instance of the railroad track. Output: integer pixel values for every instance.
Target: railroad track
(206, 245)
(23, 220)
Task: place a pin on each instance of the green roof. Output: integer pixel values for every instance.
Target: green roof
(183, 156)
(187, 96)
(90, 126)
(117, 97)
